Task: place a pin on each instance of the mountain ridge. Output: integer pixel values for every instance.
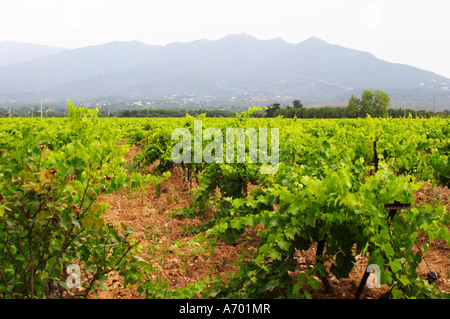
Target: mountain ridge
(233, 67)
(18, 52)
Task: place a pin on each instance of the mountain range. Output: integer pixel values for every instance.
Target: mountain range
(236, 67)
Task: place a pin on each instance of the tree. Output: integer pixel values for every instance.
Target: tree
(371, 103)
(381, 102)
(353, 107)
(297, 104)
(270, 110)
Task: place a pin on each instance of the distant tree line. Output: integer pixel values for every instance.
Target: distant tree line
(274, 111)
(25, 112)
(328, 112)
(169, 113)
(375, 104)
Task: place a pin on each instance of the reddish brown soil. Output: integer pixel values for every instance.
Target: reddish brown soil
(180, 263)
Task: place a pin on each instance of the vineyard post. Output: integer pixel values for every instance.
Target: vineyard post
(375, 155)
(362, 283)
(319, 253)
(392, 208)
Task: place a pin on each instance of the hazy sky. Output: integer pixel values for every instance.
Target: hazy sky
(411, 32)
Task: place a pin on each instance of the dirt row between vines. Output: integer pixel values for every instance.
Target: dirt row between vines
(180, 262)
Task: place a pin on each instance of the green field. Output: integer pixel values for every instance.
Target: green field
(334, 178)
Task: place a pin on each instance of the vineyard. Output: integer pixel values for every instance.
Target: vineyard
(105, 194)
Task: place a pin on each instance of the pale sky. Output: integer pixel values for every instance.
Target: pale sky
(410, 32)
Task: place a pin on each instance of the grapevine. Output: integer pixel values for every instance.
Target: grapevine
(330, 191)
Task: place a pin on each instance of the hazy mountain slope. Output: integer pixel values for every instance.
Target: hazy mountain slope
(233, 65)
(72, 65)
(17, 52)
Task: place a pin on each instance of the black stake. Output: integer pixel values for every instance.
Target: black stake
(319, 253)
(375, 156)
(393, 208)
(362, 284)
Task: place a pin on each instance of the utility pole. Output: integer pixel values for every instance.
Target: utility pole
(10, 111)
